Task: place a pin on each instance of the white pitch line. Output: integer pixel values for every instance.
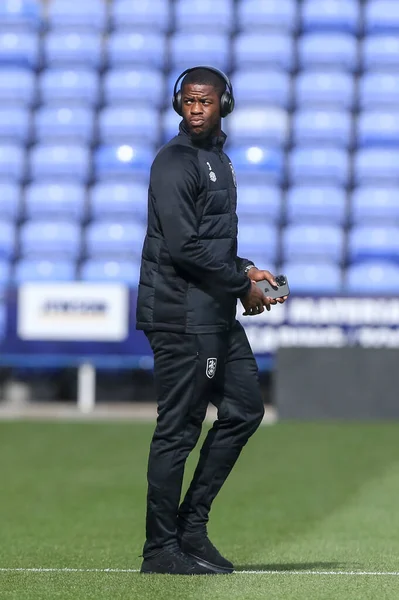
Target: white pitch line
(270, 572)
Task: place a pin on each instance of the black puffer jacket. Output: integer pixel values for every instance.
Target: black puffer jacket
(190, 275)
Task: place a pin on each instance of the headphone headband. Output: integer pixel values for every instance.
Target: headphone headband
(213, 69)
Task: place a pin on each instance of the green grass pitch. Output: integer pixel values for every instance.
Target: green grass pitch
(316, 506)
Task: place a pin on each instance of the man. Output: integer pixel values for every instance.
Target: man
(190, 280)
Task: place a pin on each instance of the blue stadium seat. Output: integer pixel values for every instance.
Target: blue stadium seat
(381, 16)
(20, 14)
(330, 15)
(207, 14)
(114, 200)
(15, 124)
(146, 14)
(255, 164)
(377, 128)
(90, 14)
(375, 204)
(123, 161)
(19, 49)
(123, 271)
(7, 239)
(275, 14)
(378, 278)
(259, 202)
(3, 315)
(12, 162)
(255, 239)
(315, 164)
(186, 48)
(367, 242)
(10, 200)
(324, 88)
(55, 200)
(128, 48)
(263, 125)
(50, 238)
(313, 277)
(169, 124)
(337, 50)
(262, 86)
(121, 124)
(77, 86)
(333, 127)
(117, 238)
(70, 161)
(17, 86)
(258, 50)
(379, 90)
(316, 204)
(64, 123)
(5, 272)
(373, 165)
(44, 270)
(70, 49)
(325, 242)
(140, 85)
(381, 52)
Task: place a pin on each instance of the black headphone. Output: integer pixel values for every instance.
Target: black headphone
(226, 101)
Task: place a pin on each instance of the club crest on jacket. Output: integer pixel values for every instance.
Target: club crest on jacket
(211, 364)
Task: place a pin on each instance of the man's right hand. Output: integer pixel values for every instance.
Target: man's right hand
(255, 301)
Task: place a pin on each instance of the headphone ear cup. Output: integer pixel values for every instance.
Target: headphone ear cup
(177, 103)
(226, 104)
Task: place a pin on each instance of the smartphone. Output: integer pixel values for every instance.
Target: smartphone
(281, 290)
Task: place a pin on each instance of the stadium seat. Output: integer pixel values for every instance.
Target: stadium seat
(375, 204)
(379, 90)
(45, 238)
(7, 239)
(64, 123)
(123, 271)
(315, 164)
(17, 86)
(377, 278)
(15, 124)
(376, 165)
(3, 315)
(377, 128)
(140, 85)
(5, 272)
(121, 124)
(114, 238)
(68, 49)
(115, 200)
(10, 200)
(90, 14)
(311, 204)
(12, 162)
(275, 14)
(322, 50)
(263, 125)
(129, 48)
(213, 48)
(381, 16)
(313, 277)
(367, 242)
(44, 270)
(257, 164)
(333, 89)
(55, 200)
(204, 14)
(128, 161)
(332, 127)
(256, 50)
(169, 124)
(330, 15)
(262, 86)
(20, 14)
(256, 239)
(381, 52)
(146, 14)
(19, 49)
(259, 202)
(325, 242)
(69, 161)
(77, 86)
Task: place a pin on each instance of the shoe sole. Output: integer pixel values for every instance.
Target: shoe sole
(174, 573)
(217, 569)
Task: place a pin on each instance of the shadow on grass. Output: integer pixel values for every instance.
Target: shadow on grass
(307, 566)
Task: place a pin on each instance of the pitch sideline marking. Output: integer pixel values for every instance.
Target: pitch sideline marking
(70, 570)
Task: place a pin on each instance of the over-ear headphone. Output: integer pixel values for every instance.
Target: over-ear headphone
(226, 101)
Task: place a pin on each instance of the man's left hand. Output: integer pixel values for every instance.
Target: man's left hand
(260, 275)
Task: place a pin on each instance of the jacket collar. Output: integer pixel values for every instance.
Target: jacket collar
(216, 141)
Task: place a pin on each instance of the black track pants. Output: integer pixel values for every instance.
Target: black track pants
(191, 371)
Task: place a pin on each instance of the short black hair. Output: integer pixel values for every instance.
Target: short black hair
(205, 77)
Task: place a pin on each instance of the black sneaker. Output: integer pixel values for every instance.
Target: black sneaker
(204, 552)
(175, 562)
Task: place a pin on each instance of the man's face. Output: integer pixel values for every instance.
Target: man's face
(201, 109)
